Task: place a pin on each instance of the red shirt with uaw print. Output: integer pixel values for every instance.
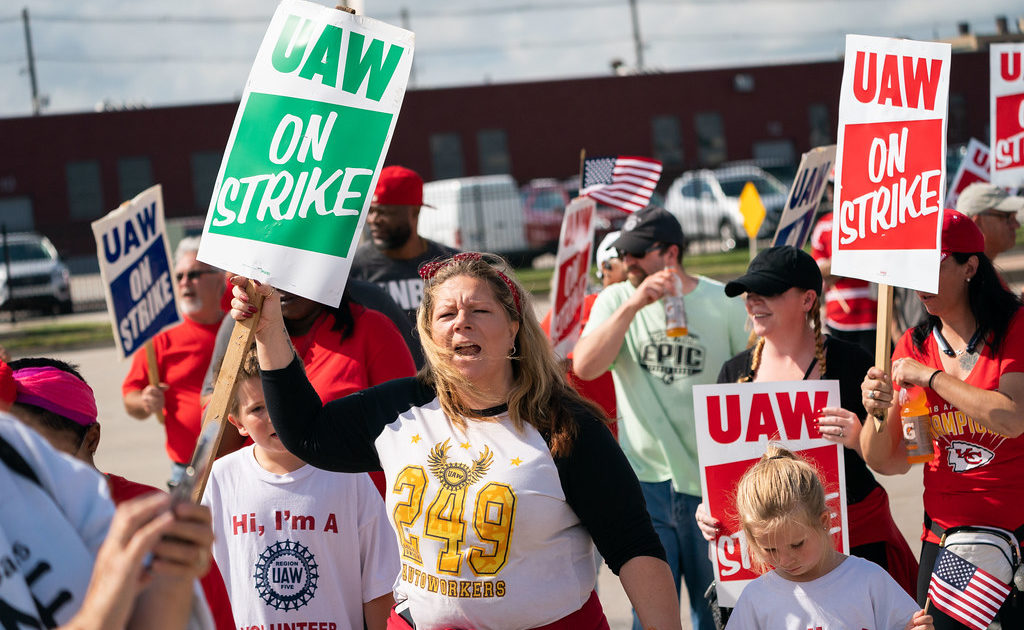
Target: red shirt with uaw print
(975, 478)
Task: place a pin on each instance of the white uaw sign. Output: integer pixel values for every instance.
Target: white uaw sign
(735, 422)
(890, 162)
(571, 272)
(804, 197)
(1006, 113)
(973, 168)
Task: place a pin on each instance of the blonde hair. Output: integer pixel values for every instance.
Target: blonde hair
(540, 395)
(814, 318)
(780, 488)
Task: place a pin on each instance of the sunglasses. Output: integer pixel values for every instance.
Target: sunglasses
(1004, 216)
(638, 254)
(193, 275)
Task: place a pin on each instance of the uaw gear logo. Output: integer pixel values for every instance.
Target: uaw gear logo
(456, 476)
(963, 456)
(630, 223)
(286, 575)
(672, 357)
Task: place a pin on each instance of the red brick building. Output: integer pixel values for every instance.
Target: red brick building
(60, 172)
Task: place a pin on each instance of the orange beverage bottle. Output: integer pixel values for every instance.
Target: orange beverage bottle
(675, 309)
(917, 433)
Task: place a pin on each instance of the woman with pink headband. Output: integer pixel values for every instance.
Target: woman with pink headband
(500, 476)
(82, 565)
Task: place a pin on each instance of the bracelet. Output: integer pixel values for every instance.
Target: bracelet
(931, 379)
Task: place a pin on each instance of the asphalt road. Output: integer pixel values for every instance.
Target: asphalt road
(135, 449)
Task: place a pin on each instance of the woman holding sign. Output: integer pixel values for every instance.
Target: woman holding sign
(500, 475)
(968, 357)
(782, 290)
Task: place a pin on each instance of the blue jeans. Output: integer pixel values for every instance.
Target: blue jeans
(673, 516)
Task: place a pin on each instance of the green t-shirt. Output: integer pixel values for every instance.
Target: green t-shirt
(654, 377)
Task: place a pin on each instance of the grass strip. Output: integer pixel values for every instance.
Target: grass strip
(31, 339)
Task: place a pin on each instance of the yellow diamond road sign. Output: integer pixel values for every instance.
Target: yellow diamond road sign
(752, 210)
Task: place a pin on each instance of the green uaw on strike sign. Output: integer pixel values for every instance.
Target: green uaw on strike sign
(308, 142)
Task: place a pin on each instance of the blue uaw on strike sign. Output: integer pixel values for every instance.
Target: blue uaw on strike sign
(135, 263)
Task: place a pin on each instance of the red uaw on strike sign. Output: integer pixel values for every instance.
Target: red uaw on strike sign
(973, 168)
(572, 266)
(735, 423)
(890, 162)
(1006, 114)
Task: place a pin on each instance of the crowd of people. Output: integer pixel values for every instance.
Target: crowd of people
(495, 467)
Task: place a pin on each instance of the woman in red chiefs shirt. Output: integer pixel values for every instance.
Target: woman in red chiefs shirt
(969, 356)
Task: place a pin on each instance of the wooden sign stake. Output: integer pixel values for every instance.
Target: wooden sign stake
(242, 337)
(883, 338)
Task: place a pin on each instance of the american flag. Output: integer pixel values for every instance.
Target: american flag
(965, 592)
(623, 182)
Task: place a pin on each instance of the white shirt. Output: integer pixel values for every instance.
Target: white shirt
(51, 530)
(310, 545)
(856, 594)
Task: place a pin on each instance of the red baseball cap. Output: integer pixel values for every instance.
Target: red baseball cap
(960, 234)
(398, 186)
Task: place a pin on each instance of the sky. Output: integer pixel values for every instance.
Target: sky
(130, 53)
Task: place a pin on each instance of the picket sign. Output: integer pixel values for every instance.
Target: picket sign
(805, 196)
(572, 268)
(1006, 114)
(890, 169)
(135, 265)
(973, 168)
(302, 161)
(735, 422)
(306, 148)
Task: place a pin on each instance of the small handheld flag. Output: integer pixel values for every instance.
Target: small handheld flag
(623, 182)
(965, 592)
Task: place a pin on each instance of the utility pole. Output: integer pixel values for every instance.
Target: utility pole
(404, 13)
(637, 41)
(31, 62)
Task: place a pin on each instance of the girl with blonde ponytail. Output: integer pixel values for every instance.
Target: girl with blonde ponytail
(782, 293)
(781, 505)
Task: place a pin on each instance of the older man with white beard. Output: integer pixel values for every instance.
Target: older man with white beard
(182, 356)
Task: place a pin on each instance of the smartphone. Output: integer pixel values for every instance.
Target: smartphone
(197, 468)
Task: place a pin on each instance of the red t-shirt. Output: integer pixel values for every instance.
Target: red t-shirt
(121, 490)
(856, 294)
(975, 476)
(601, 390)
(182, 356)
(373, 354)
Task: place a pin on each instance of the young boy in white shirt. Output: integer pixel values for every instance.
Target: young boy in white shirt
(296, 543)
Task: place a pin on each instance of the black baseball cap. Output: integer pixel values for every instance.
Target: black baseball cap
(651, 225)
(776, 270)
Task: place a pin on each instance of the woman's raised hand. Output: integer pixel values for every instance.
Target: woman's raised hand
(840, 426)
(876, 392)
(708, 524)
(242, 307)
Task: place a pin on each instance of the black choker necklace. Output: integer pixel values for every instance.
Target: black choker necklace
(948, 351)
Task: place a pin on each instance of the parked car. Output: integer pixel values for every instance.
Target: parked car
(544, 202)
(477, 214)
(707, 203)
(38, 278)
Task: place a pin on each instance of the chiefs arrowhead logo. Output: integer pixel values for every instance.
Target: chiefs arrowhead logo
(964, 456)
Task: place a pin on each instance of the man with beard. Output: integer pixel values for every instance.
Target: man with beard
(654, 376)
(182, 355)
(394, 257)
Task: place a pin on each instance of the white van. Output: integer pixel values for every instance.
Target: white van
(483, 214)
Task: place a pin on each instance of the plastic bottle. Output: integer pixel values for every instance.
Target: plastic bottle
(675, 309)
(917, 433)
